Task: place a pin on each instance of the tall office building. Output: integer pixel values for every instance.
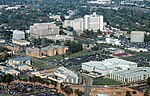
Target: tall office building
(17, 35)
(93, 22)
(77, 24)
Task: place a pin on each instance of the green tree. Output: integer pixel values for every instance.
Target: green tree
(146, 93)
(148, 81)
(128, 93)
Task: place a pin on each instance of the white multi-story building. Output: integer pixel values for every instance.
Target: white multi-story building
(137, 36)
(17, 35)
(77, 24)
(93, 22)
(132, 75)
(43, 29)
(101, 2)
(108, 66)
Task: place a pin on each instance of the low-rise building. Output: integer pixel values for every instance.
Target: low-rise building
(59, 75)
(19, 60)
(108, 65)
(33, 52)
(21, 42)
(46, 51)
(131, 75)
(60, 38)
(87, 46)
(23, 67)
(2, 41)
(113, 41)
(9, 70)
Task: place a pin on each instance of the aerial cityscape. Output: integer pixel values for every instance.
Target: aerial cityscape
(74, 47)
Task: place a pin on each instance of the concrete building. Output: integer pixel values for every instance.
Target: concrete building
(54, 50)
(87, 46)
(21, 42)
(46, 51)
(132, 75)
(59, 75)
(33, 52)
(61, 38)
(138, 49)
(43, 29)
(9, 70)
(67, 75)
(19, 60)
(77, 24)
(108, 65)
(22, 67)
(101, 2)
(137, 36)
(93, 22)
(18, 35)
(113, 41)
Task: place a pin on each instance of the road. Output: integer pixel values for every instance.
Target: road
(87, 84)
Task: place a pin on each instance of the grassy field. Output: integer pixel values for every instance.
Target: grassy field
(80, 53)
(105, 81)
(59, 57)
(39, 65)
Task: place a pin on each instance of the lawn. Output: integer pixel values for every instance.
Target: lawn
(59, 57)
(80, 53)
(39, 65)
(56, 57)
(105, 81)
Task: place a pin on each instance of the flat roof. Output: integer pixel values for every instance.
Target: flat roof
(66, 72)
(133, 72)
(32, 49)
(20, 58)
(108, 63)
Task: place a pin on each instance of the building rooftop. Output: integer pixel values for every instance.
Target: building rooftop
(133, 72)
(18, 32)
(20, 59)
(65, 71)
(21, 41)
(32, 49)
(22, 64)
(109, 63)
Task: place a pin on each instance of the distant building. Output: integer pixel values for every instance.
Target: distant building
(87, 46)
(77, 24)
(2, 41)
(19, 60)
(67, 75)
(138, 49)
(113, 41)
(18, 35)
(116, 52)
(59, 75)
(9, 70)
(101, 2)
(43, 29)
(108, 65)
(132, 75)
(137, 36)
(22, 67)
(33, 52)
(21, 42)
(61, 38)
(93, 22)
(46, 51)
